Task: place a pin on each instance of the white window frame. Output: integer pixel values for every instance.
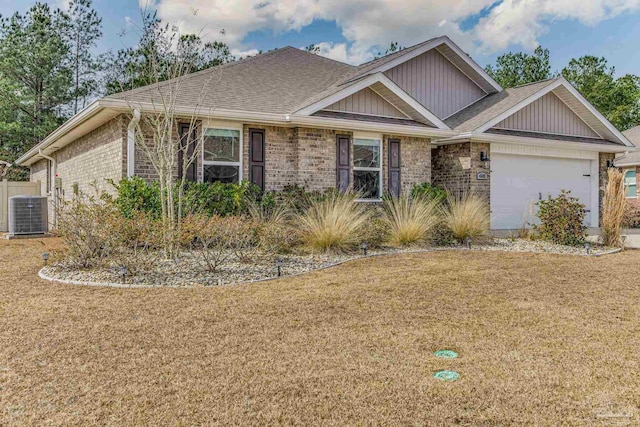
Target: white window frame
(222, 126)
(624, 182)
(370, 137)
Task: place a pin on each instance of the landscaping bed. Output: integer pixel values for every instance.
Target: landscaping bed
(187, 271)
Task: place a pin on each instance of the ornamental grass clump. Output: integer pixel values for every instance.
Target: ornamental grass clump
(410, 221)
(467, 216)
(335, 223)
(614, 205)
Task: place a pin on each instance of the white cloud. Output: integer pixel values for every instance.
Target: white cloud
(522, 22)
(366, 24)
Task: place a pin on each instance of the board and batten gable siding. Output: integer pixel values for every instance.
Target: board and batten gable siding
(366, 101)
(548, 114)
(436, 83)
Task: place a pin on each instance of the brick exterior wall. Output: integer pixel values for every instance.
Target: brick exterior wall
(455, 168)
(88, 161)
(415, 161)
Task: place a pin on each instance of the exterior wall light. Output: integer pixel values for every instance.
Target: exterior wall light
(484, 157)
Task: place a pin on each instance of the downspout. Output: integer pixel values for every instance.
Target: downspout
(131, 143)
(54, 196)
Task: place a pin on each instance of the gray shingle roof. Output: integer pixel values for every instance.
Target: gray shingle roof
(633, 158)
(528, 134)
(273, 82)
(493, 105)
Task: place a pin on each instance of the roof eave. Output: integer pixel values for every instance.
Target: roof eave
(484, 137)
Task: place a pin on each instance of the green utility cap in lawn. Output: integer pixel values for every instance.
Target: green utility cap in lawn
(446, 375)
(446, 354)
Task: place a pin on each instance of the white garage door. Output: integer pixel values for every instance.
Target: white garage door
(519, 181)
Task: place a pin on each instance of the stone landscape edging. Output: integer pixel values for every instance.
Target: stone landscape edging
(44, 276)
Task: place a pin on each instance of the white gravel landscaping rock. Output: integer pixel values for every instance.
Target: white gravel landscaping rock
(188, 271)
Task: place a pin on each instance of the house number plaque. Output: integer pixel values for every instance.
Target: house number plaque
(482, 176)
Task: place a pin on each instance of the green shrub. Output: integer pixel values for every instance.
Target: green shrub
(561, 220)
(223, 199)
(137, 195)
(631, 217)
(429, 192)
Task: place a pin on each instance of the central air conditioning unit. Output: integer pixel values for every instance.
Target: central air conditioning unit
(28, 215)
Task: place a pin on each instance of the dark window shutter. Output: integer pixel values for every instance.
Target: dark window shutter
(256, 157)
(394, 167)
(190, 143)
(343, 162)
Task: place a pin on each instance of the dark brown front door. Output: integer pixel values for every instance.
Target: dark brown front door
(394, 167)
(256, 157)
(186, 152)
(343, 162)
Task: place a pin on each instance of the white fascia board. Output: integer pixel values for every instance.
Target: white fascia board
(432, 45)
(595, 112)
(83, 115)
(366, 82)
(543, 142)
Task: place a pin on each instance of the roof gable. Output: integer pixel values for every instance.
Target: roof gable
(366, 101)
(446, 47)
(493, 109)
(548, 114)
(436, 83)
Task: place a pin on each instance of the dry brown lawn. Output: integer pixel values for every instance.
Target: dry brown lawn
(543, 340)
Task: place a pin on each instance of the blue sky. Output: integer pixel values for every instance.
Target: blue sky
(568, 28)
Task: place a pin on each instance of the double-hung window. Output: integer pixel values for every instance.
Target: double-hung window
(221, 157)
(630, 183)
(367, 167)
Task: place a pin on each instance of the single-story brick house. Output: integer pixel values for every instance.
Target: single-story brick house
(629, 162)
(427, 113)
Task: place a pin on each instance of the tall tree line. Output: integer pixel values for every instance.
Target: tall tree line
(50, 68)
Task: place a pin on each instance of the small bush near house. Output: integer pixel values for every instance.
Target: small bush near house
(410, 220)
(335, 223)
(218, 239)
(137, 195)
(467, 216)
(614, 205)
(428, 191)
(224, 199)
(561, 220)
(81, 223)
(631, 217)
